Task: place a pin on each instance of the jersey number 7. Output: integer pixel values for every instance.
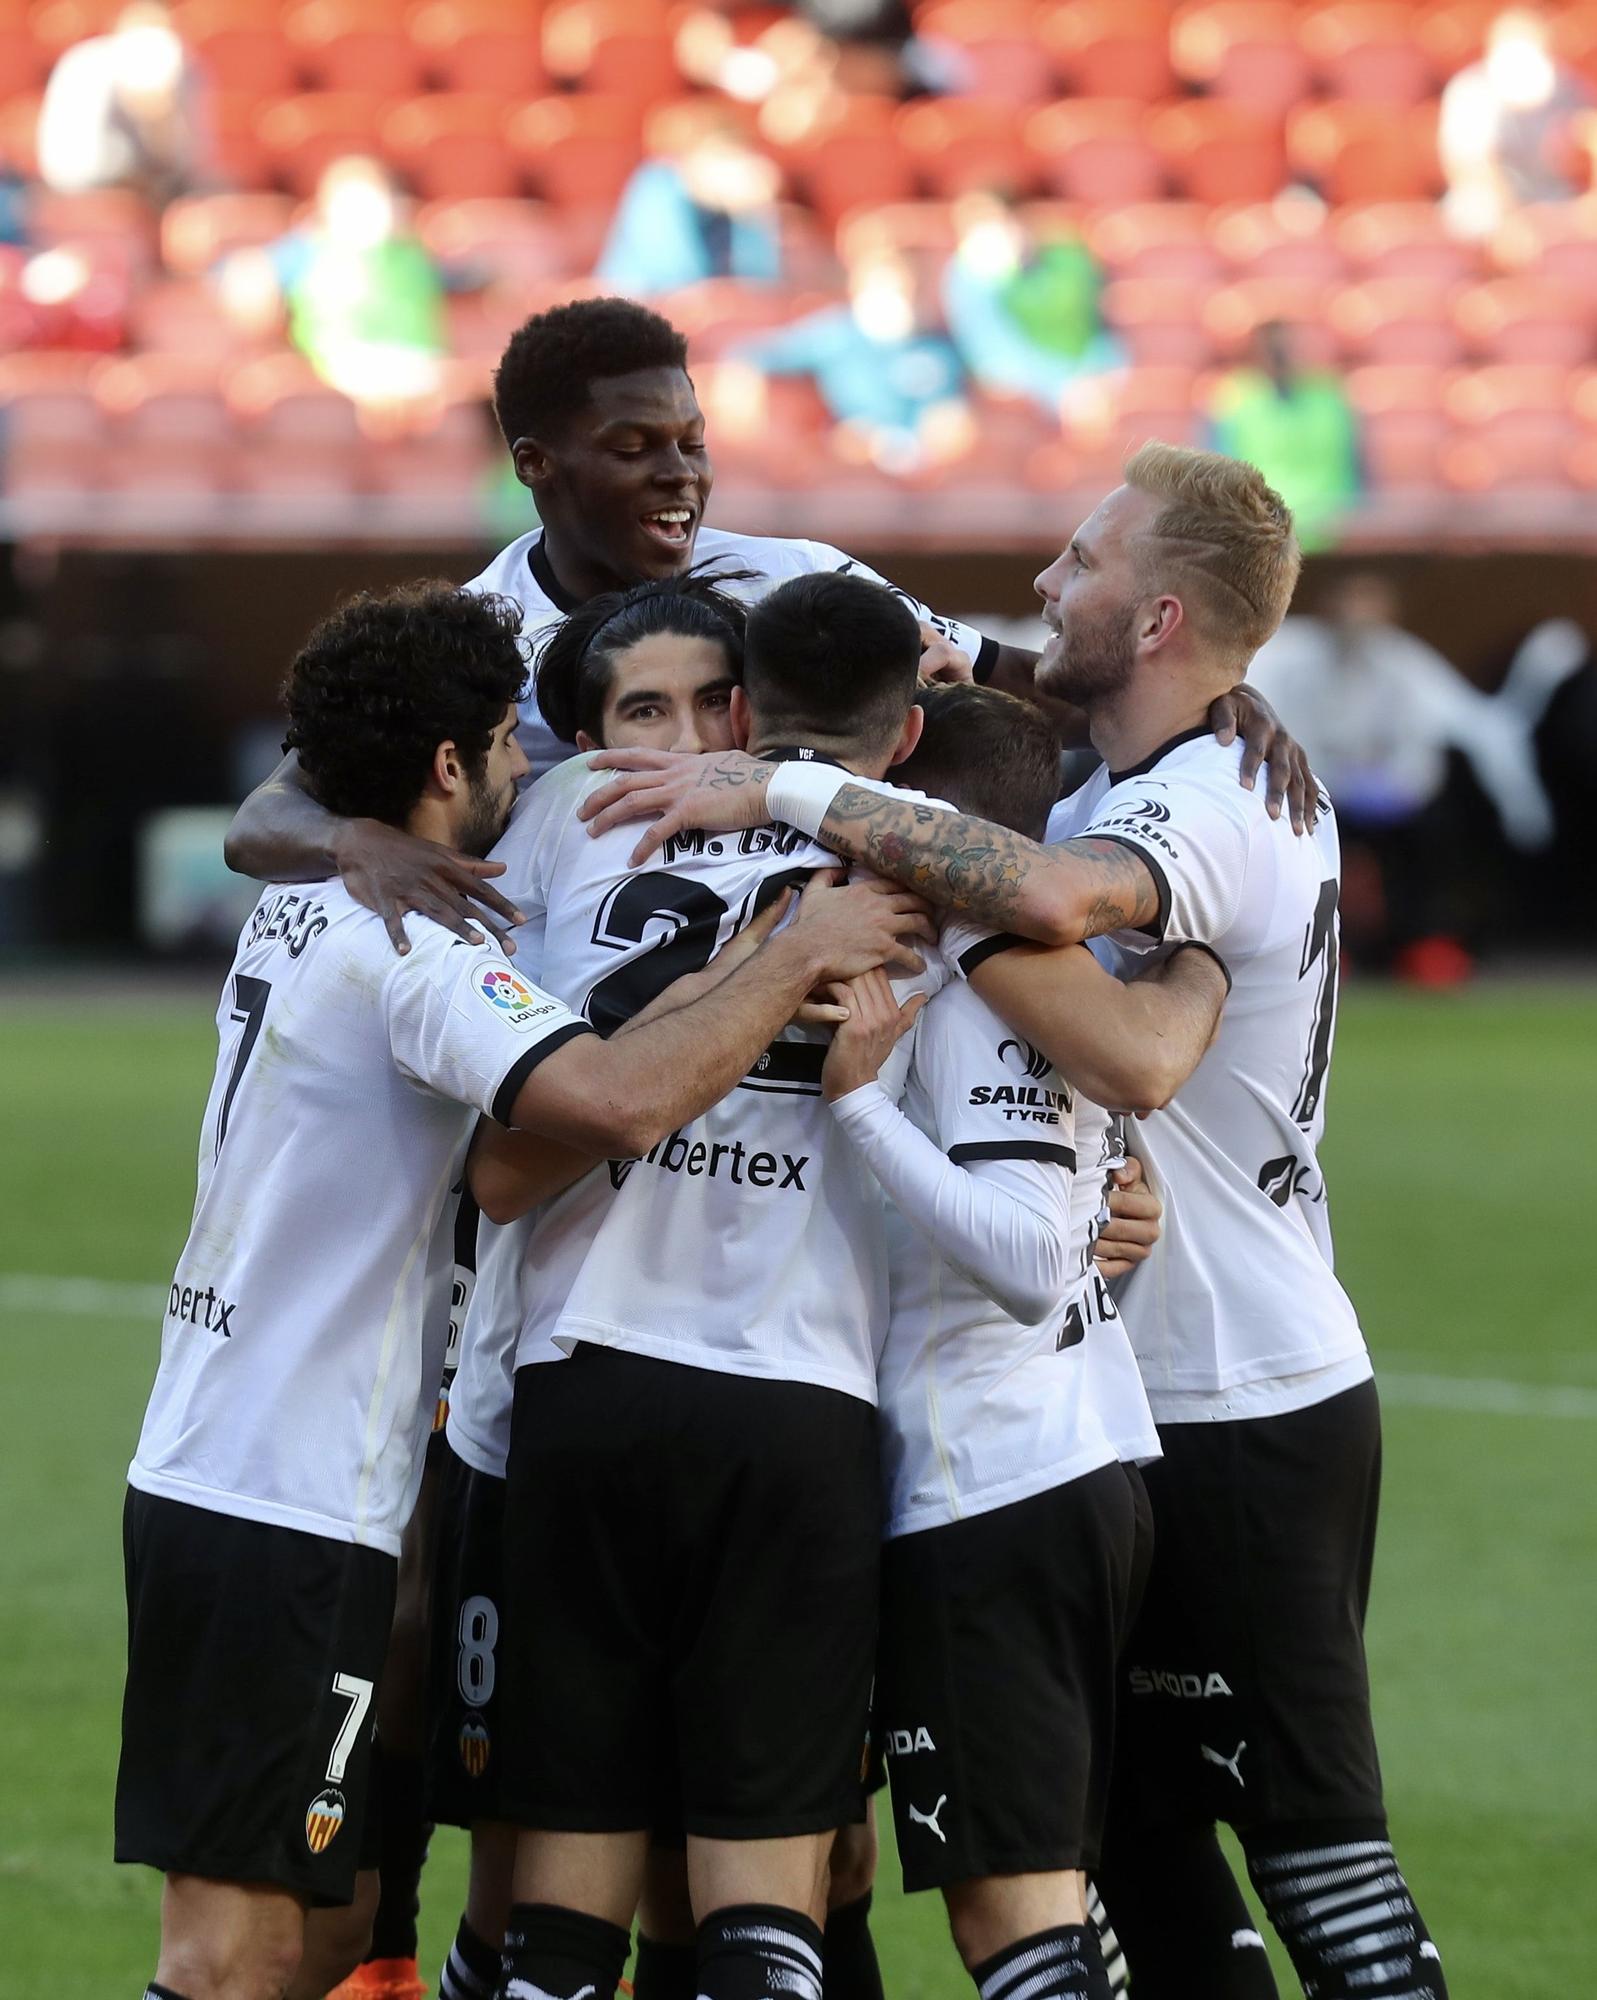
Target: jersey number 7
(250, 996)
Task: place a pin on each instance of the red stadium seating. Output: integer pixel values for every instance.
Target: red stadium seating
(512, 242)
(1367, 51)
(1514, 430)
(1399, 319)
(578, 150)
(1246, 51)
(1160, 239)
(1115, 49)
(916, 226)
(302, 136)
(1555, 241)
(857, 159)
(354, 45)
(19, 129)
(720, 312)
(1231, 314)
(54, 440)
(1156, 318)
(959, 144)
(1526, 320)
(170, 427)
(1364, 152)
(1221, 152)
(298, 436)
(1288, 238)
(451, 147)
(183, 316)
(23, 65)
(241, 46)
(1097, 151)
(58, 24)
(623, 47)
(198, 231)
(1404, 239)
(1164, 403)
(1403, 423)
(993, 47)
(491, 45)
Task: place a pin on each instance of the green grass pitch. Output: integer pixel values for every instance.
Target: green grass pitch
(1463, 1178)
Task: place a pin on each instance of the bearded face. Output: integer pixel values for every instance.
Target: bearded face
(1090, 657)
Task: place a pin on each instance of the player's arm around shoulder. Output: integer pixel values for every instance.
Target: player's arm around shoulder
(1128, 1046)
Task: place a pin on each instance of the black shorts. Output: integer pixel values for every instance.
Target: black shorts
(1245, 1696)
(463, 1753)
(691, 1573)
(254, 1654)
(996, 1690)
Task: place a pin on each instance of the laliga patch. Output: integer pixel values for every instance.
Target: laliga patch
(511, 998)
(323, 1817)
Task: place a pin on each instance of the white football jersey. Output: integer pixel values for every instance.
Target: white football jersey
(523, 572)
(307, 1320)
(979, 1411)
(1241, 1287)
(1117, 1390)
(749, 1241)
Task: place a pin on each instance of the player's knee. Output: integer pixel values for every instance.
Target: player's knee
(262, 1966)
(337, 1940)
(853, 1865)
(978, 1919)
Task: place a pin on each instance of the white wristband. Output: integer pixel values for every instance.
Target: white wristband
(801, 794)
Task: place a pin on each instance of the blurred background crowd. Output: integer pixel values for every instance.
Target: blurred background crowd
(941, 265)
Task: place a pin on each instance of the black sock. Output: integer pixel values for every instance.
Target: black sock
(1344, 1913)
(154, 1992)
(471, 1971)
(1183, 1925)
(1061, 1964)
(559, 1952)
(849, 1953)
(665, 1971)
(756, 1949)
(406, 1830)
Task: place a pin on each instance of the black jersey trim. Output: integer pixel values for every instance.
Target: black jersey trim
(799, 753)
(543, 574)
(1161, 881)
(986, 948)
(985, 664)
(791, 1069)
(1014, 1149)
(1155, 756)
(523, 1066)
(1197, 944)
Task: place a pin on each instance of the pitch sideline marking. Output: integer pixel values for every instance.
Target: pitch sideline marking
(1471, 1395)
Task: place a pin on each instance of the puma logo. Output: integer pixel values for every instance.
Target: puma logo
(930, 1819)
(1246, 1940)
(1226, 1763)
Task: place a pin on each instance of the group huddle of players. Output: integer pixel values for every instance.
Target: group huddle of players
(828, 1403)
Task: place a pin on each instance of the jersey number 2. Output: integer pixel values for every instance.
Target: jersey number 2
(249, 1008)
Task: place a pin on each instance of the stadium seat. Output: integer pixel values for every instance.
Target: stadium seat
(1403, 239)
(302, 136)
(1163, 403)
(299, 436)
(1555, 241)
(444, 457)
(58, 24)
(116, 222)
(1245, 51)
(170, 426)
(957, 144)
(450, 146)
(241, 156)
(1365, 152)
(481, 45)
(199, 230)
(1231, 314)
(1157, 320)
(578, 150)
(241, 46)
(720, 312)
(1115, 49)
(1221, 152)
(1287, 238)
(19, 133)
(354, 45)
(1399, 319)
(54, 427)
(1367, 51)
(623, 47)
(1403, 423)
(1527, 320)
(182, 316)
(23, 67)
(856, 159)
(926, 226)
(1513, 430)
(1157, 239)
(1097, 151)
(511, 242)
(991, 47)
(1453, 32)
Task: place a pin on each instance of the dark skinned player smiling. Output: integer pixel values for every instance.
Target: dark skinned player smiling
(606, 433)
